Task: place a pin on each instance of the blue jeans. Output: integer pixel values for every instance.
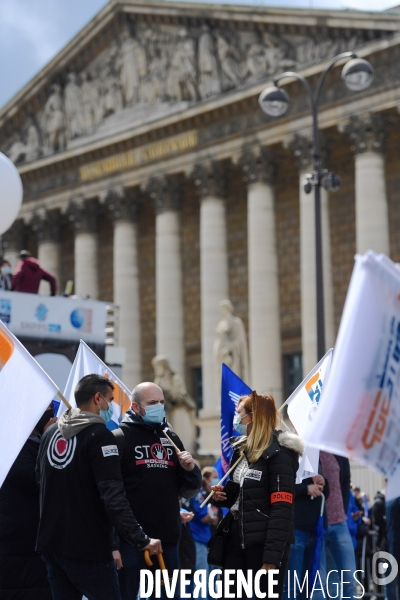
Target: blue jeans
(301, 553)
(201, 559)
(133, 562)
(70, 579)
(340, 556)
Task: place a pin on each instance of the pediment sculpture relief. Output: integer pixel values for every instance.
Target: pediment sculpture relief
(151, 71)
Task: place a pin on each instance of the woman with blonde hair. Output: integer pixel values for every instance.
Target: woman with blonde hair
(259, 527)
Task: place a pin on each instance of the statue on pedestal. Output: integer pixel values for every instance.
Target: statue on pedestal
(179, 406)
(230, 345)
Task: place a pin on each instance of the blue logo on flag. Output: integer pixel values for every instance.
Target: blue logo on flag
(232, 388)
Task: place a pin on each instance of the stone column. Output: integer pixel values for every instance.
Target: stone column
(46, 225)
(209, 178)
(13, 242)
(301, 145)
(367, 134)
(124, 207)
(264, 314)
(84, 215)
(169, 299)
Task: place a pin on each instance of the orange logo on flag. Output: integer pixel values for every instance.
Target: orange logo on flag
(6, 348)
(120, 397)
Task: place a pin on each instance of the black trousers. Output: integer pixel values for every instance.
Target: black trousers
(251, 558)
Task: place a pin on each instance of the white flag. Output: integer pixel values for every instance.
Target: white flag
(87, 362)
(26, 392)
(302, 407)
(360, 408)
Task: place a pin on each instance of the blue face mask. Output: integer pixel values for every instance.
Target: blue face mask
(154, 413)
(215, 481)
(106, 415)
(238, 426)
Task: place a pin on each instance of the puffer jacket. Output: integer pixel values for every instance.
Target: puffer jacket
(266, 498)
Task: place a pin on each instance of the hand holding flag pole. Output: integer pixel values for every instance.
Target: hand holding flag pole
(222, 480)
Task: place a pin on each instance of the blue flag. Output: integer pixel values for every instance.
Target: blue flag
(232, 387)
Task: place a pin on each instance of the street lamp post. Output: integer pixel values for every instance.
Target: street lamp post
(274, 101)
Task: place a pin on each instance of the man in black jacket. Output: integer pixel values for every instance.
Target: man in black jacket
(155, 475)
(82, 497)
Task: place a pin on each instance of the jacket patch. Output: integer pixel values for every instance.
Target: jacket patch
(60, 451)
(165, 442)
(282, 497)
(253, 474)
(110, 450)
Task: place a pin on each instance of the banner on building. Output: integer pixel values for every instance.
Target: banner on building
(87, 362)
(232, 388)
(359, 416)
(302, 406)
(53, 317)
(26, 392)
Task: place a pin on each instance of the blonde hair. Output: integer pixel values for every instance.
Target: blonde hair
(265, 419)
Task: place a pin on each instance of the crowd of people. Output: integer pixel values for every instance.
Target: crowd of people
(27, 275)
(82, 504)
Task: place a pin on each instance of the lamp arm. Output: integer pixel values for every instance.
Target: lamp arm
(330, 65)
(314, 111)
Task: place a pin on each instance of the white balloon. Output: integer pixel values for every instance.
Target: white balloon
(10, 193)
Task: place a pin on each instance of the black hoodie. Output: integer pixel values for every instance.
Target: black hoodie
(153, 477)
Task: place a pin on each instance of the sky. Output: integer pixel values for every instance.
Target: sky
(33, 31)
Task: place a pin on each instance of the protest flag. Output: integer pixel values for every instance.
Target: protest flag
(26, 392)
(359, 415)
(302, 406)
(87, 362)
(232, 388)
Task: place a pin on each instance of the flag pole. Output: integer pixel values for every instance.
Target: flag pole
(174, 445)
(223, 479)
(63, 398)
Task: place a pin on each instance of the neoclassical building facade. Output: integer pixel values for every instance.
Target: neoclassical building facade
(153, 180)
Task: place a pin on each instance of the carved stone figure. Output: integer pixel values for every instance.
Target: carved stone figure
(54, 120)
(209, 82)
(133, 67)
(112, 97)
(32, 141)
(230, 61)
(257, 61)
(180, 407)
(183, 72)
(90, 101)
(153, 89)
(16, 151)
(73, 107)
(230, 345)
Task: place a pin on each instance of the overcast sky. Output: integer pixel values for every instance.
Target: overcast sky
(33, 31)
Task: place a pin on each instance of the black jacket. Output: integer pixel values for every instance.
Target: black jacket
(307, 509)
(22, 571)
(267, 496)
(153, 477)
(345, 479)
(81, 492)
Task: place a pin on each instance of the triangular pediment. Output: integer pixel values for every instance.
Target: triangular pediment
(136, 62)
